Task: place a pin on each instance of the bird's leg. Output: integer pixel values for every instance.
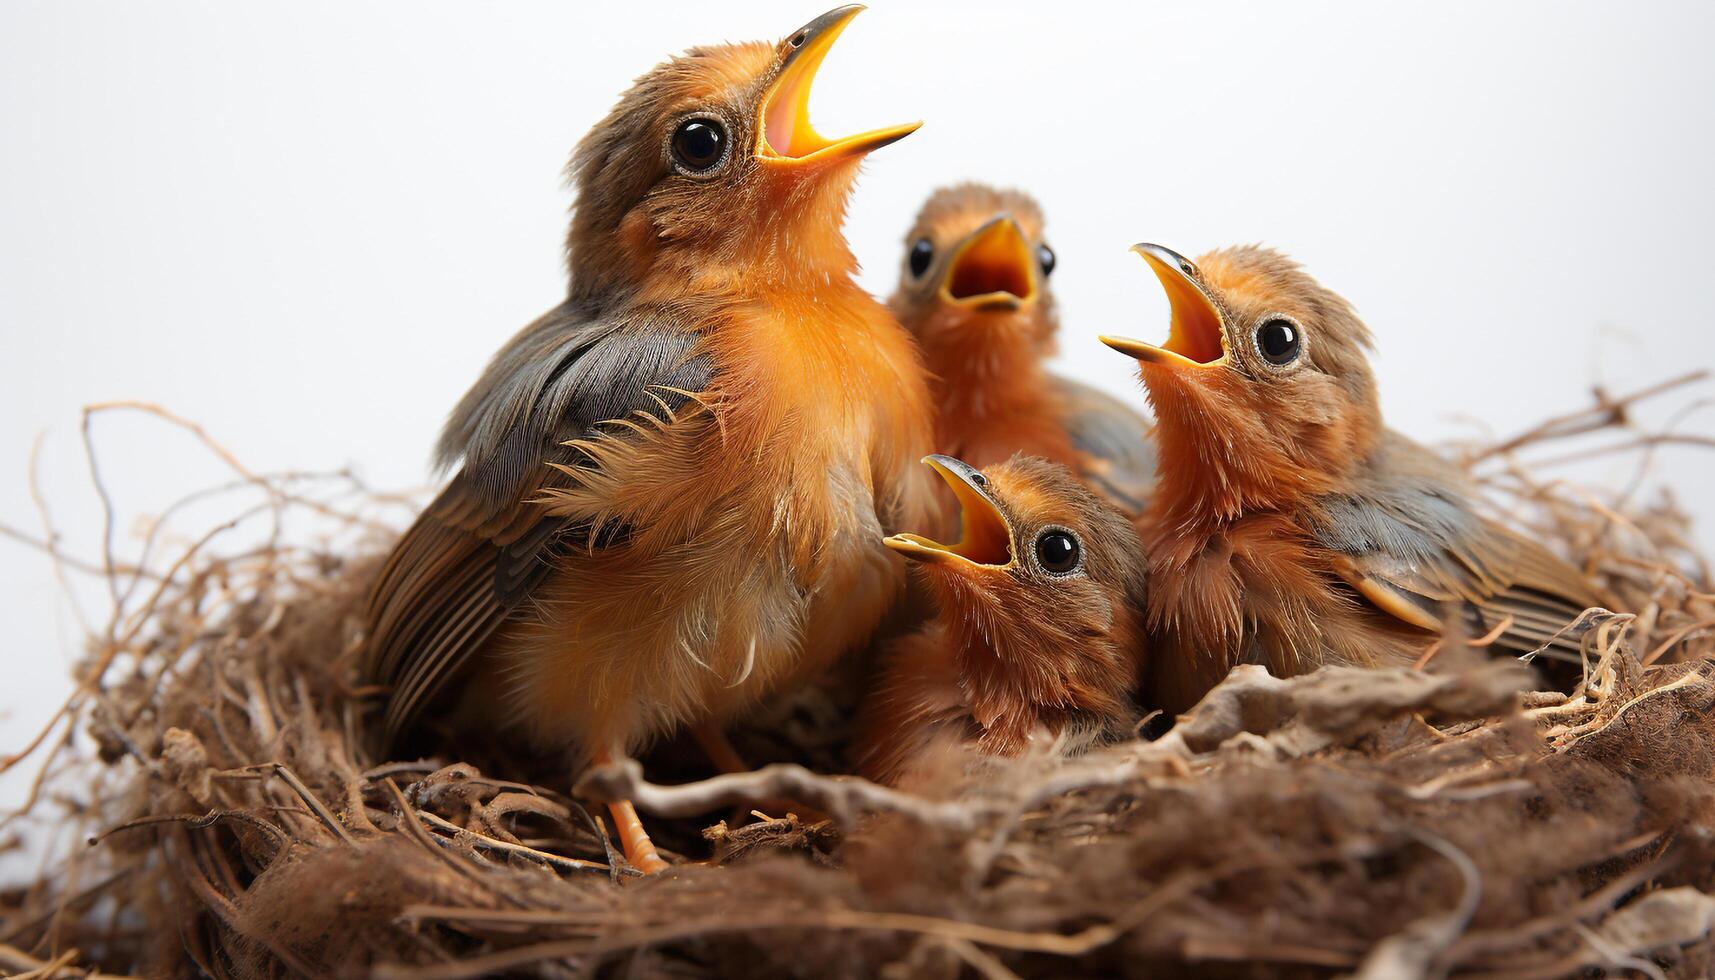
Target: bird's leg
(628, 827)
(715, 745)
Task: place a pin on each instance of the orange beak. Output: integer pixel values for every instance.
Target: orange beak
(784, 133)
(1197, 338)
(985, 538)
(993, 268)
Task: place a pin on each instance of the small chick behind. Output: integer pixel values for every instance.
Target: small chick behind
(1038, 627)
(974, 291)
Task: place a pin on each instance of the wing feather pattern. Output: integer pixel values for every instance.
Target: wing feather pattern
(1410, 544)
(1116, 438)
(483, 547)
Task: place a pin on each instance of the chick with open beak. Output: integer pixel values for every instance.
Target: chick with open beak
(671, 487)
(1037, 627)
(974, 291)
(1290, 526)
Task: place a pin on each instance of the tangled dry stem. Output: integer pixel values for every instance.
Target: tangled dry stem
(1448, 820)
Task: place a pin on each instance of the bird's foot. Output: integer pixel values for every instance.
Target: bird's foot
(639, 849)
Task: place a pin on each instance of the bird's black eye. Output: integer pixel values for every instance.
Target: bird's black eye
(699, 145)
(1279, 341)
(1045, 255)
(922, 252)
(1057, 551)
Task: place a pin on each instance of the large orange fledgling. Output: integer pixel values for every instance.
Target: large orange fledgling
(674, 485)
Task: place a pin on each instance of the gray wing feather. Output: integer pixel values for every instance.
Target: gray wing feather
(481, 548)
(1410, 527)
(554, 382)
(1413, 532)
(1114, 435)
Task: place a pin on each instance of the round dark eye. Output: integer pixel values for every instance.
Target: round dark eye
(922, 252)
(1057, 551)
(699, 145)
(1045, 255)
(1279, 341)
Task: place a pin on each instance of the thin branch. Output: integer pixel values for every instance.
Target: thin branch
(505, 847)
(60, 563)
(93, 676)
(18, 964)
(50, 547)
(844, 798)
(1675, 637)
(1416, 950)
(1628, 445)
(1606, 412)
(310, 799)
(415, 829)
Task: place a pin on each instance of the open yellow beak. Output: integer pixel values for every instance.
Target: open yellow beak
(1196, 337)
(784, 133)
(993, 268)
(985, 539)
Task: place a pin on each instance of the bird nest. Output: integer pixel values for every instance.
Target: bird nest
(1450, 819)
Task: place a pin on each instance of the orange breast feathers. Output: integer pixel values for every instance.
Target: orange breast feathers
(756, 513)
(1256, 590)
(819, 385)
(808, 398)
(994, 399)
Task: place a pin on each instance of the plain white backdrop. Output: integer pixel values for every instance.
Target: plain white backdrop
(307, 227)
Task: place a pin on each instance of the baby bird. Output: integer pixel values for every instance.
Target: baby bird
(974, 292)
(674, 484)
(1290, 527)
(1039, 619)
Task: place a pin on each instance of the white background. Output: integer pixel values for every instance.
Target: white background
(307, 226)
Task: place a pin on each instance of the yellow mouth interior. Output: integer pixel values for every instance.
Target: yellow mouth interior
(785, 124)
(995, 265)
(1195, 333)
(984, 537)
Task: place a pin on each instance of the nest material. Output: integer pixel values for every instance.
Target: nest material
(1384, 823)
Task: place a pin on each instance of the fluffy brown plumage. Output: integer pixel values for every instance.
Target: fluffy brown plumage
(974, 290)
(1038, 622)
(1290, 527)
(673, 485)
